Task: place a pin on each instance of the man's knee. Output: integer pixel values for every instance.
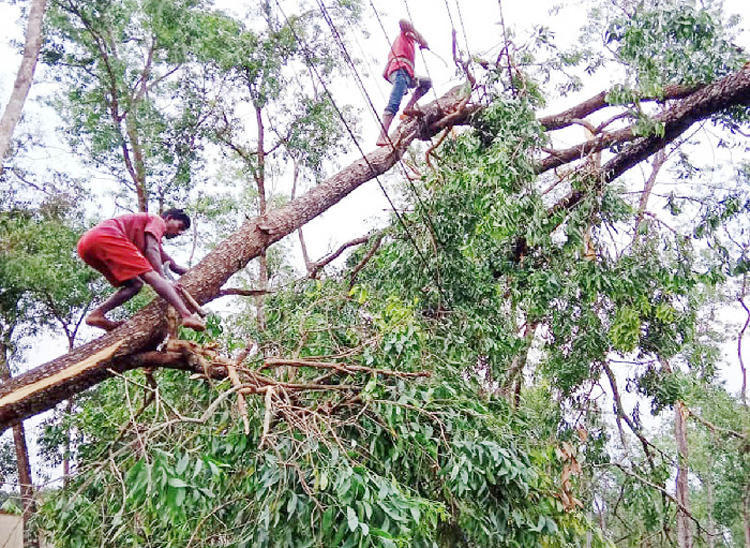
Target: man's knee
(424, 85)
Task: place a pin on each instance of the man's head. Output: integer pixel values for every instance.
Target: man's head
(177, 222)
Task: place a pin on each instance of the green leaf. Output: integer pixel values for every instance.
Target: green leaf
(351, 518)
(291, 505)
(182, 464)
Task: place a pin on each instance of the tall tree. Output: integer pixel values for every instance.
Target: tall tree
(43, 285)
(134, 102)
(293, 120)
(22, 85)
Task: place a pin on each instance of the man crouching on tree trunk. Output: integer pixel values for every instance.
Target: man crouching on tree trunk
(399, 71)
(127, 250)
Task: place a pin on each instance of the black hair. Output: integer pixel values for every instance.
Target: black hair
(178, 214)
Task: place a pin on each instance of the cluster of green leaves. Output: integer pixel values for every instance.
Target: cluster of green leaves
(43, 281)
(496, 252)
(135, 79)
(503, 288)
(376, 461)
(674, 43)
(262, 64)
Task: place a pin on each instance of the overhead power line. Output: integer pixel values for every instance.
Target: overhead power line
(463, 28)
(350, 62)
(307, 55)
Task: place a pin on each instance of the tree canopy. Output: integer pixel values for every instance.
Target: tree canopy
(528, 353)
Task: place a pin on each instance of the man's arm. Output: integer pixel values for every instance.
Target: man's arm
(173, 266)
(408, 29)
(153, 253)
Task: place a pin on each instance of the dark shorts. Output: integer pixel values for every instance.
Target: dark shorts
(113, 255)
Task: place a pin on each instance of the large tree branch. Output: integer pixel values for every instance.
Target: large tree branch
(732, 90)
(712, 99)
(43, 387)
(598, 102)
(319, 265)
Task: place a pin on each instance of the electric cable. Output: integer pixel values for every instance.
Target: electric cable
(506, 48)
(366, 95)
(463, 28)
(356, 143)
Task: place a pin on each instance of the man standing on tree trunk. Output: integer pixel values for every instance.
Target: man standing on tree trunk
(128, 251)
(399, 71)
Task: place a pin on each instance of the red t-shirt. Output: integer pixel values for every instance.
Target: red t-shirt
(116, 247)
(135, 226)
(401, 55)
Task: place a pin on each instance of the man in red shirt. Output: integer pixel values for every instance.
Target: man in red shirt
(128, 251)
(399, 71)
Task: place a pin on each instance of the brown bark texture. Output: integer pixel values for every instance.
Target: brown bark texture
(260, 179)
(23, 464)
(45, 386)
(12, 113)
(598, 102)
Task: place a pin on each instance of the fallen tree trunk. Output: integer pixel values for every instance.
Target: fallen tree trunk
(42, 388)
(45, 386)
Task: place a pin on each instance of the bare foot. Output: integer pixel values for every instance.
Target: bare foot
(193, 322)
(100, 321)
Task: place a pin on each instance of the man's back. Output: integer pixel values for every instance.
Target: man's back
(135, 226)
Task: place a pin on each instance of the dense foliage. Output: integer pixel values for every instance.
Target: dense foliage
(483, 371)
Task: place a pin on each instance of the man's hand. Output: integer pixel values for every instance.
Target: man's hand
(177, 269)
(173, 266)
(408, 29)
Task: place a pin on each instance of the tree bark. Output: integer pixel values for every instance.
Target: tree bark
(260, 179)
(45, 386)
(598, 102)
(684, 523)
(23, 464)
(708, 482)
(303, 245)
(682, 481)
(13, 110)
